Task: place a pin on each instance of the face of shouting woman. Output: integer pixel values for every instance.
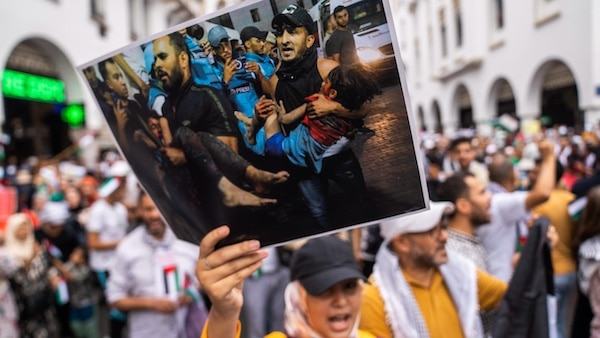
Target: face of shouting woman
(333, 313)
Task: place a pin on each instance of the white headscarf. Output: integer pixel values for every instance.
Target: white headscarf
(20, 250)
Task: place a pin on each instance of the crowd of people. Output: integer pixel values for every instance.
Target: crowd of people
(460, 269)
(87, 254)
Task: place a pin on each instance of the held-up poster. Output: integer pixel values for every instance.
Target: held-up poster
(261, 117)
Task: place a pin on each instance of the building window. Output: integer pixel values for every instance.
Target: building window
(97, 13)
(499, 14)
(546, 11)
(458, 22)
(97, 7)
(255, 15)
(223, 20)
(443, 33)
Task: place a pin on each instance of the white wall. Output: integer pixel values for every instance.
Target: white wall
(516, 54)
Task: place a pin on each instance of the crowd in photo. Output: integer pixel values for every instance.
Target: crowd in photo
(217, 126)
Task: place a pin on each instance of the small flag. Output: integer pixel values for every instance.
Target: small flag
(190, 289)
(109, 186)
(53, 250)
(576, 208)
(62, 292)
(171, 280)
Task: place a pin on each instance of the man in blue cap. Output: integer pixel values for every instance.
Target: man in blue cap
(238, 77)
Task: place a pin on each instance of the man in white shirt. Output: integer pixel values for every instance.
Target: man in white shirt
(510, 208)
(107, 225)
(152, 277)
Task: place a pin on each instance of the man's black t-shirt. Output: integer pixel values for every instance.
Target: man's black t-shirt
(200, 108)
(342, 42)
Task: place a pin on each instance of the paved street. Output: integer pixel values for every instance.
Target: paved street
(387, 158)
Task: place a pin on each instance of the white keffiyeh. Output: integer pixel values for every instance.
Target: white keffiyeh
(402, 310)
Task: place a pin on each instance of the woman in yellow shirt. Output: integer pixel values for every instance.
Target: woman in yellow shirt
(322, 300)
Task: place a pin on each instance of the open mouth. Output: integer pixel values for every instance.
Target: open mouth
(340, 322)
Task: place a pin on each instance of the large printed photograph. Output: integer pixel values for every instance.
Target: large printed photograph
(281, 121)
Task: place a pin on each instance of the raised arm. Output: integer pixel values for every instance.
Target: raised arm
(546, 179)
(221, 273)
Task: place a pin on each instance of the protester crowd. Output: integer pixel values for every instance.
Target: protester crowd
(87, 253)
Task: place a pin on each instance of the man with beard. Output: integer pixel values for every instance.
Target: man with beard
(418, 289)
(200, 108)
(300, 75)
(341, 46)
(151, 276)
(472, 210)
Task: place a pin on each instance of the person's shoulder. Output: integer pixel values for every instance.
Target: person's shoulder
(99, 204)
(365, 334)
(131, 240)
(562, 195)
(325, 66)
(509, 197)
(187, 248)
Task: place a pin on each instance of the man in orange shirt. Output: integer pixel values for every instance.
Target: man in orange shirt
(435, 293)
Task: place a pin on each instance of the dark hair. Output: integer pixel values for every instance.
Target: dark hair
(355, 85)
(454, 187)
(178, 42)
(500, 169)
(339, 9)
(573, 158)
(102, 67)
(459, 140)
(589, 226)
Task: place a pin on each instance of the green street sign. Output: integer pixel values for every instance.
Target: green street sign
(32, 87)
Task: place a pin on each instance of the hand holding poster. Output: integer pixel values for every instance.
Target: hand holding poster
(220, 127)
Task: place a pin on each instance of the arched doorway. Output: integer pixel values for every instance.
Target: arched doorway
(559, 98)
(462, 102)
(35, 83)
(503, 98)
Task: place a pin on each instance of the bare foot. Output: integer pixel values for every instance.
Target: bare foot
(262, 176)
(233, 196)
(250, 134)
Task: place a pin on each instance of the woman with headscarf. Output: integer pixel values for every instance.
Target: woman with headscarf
(322, 300)
(9, 314)
(31, 282)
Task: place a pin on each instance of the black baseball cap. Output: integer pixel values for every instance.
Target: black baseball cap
(252, 32)
(295, 16)
(323, 262)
